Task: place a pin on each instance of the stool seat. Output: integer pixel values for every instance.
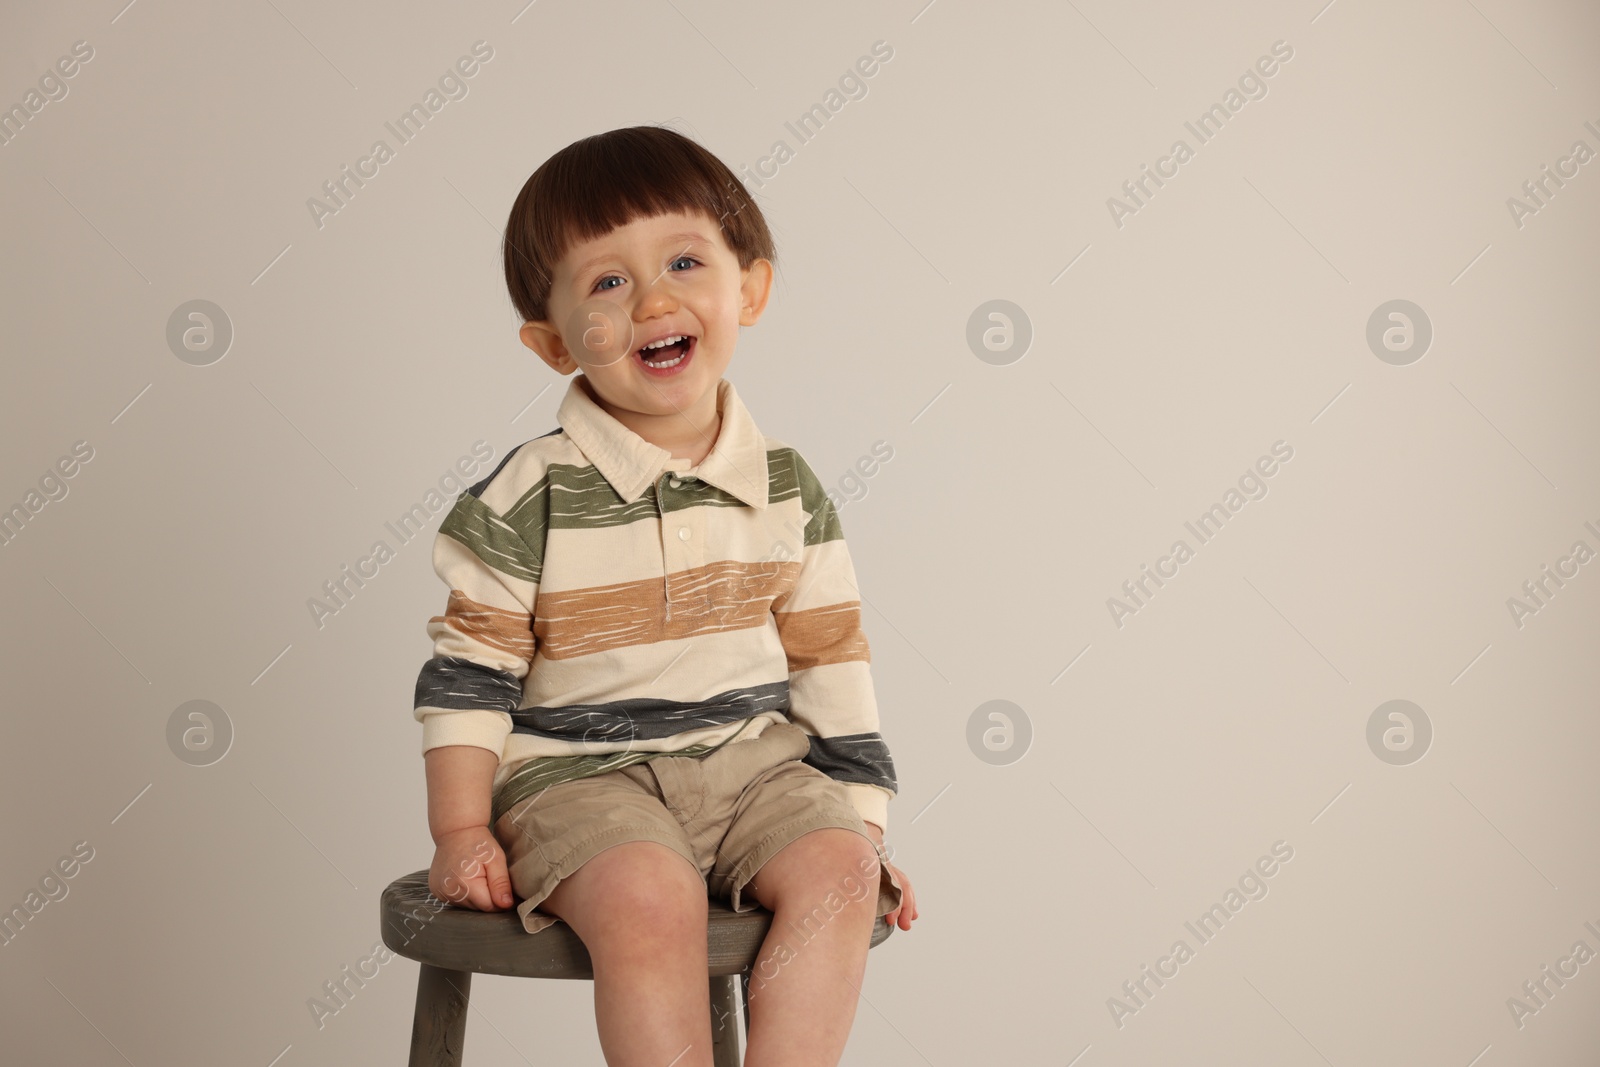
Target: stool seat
(452, 942)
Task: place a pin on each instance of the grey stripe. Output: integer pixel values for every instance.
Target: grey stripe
(648, 718)
(862, 758)
(458, 684)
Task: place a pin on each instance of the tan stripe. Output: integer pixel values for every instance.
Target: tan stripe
(507, 631)
(728, 595)
(823, 635)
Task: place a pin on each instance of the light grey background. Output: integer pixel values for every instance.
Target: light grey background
(1229, 313)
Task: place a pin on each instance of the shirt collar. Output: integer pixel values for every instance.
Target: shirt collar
(736, 464)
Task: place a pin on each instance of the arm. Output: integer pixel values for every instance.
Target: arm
(483, 648)
(469, 867)
(830, 682)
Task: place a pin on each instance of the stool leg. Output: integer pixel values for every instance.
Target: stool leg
(744, 1000)
(724, 1034)
(440, 1024)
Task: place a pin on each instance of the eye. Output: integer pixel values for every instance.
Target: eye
(600, 286)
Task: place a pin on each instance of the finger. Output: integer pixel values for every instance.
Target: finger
(499, 880)
(908, 901)
(478, 894)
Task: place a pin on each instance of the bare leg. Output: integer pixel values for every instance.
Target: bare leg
(640, 909)
(807, 976)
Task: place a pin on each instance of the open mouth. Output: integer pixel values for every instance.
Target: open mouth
(663, 357)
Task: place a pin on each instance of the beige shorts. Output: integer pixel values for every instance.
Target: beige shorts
(727, 813)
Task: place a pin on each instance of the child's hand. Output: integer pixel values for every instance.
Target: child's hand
(907, 910)
(469, 869)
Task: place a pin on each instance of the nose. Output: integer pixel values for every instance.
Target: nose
(656, 298)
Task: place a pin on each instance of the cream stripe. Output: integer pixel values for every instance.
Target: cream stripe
(461, 569)
(585, 558)
(524, 470)
(839, 697)
(712, 663)
(827, 578)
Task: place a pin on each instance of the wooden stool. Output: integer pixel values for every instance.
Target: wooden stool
(451, 942)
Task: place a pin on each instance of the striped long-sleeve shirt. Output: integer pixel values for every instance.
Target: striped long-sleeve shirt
(607, 598)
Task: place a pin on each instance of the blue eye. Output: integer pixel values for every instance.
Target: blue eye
(612, 277)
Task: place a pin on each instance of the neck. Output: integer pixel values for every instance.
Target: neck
(689, 434)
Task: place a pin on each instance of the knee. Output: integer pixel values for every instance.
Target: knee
(647, 891)
(831, 868)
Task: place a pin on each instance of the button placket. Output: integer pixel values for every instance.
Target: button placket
(666, 561)
(681, 557)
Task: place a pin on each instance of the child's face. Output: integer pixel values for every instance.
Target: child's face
(656, 277)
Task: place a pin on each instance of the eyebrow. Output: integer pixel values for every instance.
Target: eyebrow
(690, 236)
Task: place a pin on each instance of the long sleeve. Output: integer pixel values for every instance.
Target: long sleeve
(830, 680)
(483, 644)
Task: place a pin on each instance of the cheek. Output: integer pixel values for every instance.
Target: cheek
(722, 308)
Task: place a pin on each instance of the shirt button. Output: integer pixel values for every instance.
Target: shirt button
(683, 533)
(675, 483)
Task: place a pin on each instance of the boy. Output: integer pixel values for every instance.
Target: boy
(652, 645)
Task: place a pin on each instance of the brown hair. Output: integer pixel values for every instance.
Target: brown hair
(594, 185)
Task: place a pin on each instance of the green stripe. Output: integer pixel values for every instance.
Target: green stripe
(577, 497)
(493, 540)
(823, 525)
(540, 773)
(784, 477)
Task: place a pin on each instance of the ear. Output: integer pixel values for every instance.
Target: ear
(754, 291)
(545, 339)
